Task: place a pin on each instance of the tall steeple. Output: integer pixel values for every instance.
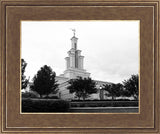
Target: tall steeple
(74, 40)
(74, 61)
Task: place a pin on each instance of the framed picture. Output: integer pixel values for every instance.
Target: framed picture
(79, 66)
(86, 82)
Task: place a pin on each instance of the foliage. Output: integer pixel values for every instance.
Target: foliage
(127, 89)
(113, 90)
(131, 86)
(44, 105)
(51, 97)
(104, 103)
(24, 81)
(44, 81)
(97, 100)
(29, 95)
(82, 87)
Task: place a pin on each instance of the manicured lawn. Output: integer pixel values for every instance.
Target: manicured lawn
(104, 110)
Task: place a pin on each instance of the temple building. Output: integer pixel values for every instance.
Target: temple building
(74, 69)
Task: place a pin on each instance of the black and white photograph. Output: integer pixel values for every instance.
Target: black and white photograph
(80, 66)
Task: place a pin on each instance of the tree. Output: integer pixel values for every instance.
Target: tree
(44, 81)
(82, 87)
(24, 81)
(113, 90)
(131, 87)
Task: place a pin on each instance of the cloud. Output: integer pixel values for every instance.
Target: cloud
(110, 47)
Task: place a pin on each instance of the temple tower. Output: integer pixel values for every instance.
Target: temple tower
(74, 61)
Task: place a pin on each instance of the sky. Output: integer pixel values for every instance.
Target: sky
(110, 48)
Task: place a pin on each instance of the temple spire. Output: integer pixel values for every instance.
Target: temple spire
(74, 61)
(74, 32)
(74, 40)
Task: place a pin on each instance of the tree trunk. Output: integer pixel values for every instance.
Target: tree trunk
(40, 96)
(112, 104)
(83, 98)
(84, 95)
(112, 98)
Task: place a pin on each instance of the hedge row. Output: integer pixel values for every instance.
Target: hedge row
(44, 105)
(36, 95)
(105, 104)
(102, 100)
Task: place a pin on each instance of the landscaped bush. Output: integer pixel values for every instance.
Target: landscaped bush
(51, 97)
(103, 100)
(44, 105)
(29, 95)
(104, 104)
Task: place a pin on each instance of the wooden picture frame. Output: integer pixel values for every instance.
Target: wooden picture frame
(146, 121)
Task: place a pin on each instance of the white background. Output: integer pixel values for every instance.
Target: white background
(111, 48)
